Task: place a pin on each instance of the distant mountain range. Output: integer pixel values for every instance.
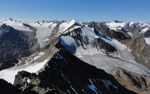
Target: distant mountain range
(71, 57)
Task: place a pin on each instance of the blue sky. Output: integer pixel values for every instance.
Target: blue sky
(81, 10)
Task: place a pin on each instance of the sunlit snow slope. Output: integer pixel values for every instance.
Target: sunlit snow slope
(90, 53)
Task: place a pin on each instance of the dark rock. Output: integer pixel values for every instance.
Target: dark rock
(8, 64)
(27, 25)
(67, 73)
(104, 45)
(16, 44)
(102, 29)
(147, 33)
(7, 88)
(29, 83)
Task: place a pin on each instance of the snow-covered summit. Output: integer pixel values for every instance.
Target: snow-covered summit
(66, 25)
(15, 24)
(116, 25)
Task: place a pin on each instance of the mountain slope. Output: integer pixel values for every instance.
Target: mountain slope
(67, 73)
(71, 57)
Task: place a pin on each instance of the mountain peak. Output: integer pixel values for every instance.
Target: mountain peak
(11, 19)
(117, 21)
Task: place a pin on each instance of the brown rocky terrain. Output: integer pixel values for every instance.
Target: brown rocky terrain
(137, 83)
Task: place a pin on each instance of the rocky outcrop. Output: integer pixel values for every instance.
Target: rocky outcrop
(102, 29)
(139, 49)
(147, 33)
(86, 42)
(29, 83)
(67, 73)
(137, 83)
(104, 45)
(8, 64)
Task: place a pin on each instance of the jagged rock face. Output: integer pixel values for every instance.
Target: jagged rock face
(101, 28)
(16, 44)
(22, 79)
(85, 42)
(103, 45)
(29, 83)
(67, 73)
(7, 88)
(137, 44)
(147, 33)
(137, 83)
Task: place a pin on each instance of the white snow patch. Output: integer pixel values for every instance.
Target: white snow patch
(142, 24)
(75, 27)
(89, 33)
(115, 26)
(90, 49)
(47, 39)
(28, 81)
(108, 83)
(68, 40)
(16, 25)
(52, 26)
(42, 32)
(62, 74)
(144, 30)
(131, 24)
(66, 25)
(147, 40)
(115, 43)
(92, 87)
(39, 55)
(130, 34)
(9, 74)
(68, 91)
(73, 89)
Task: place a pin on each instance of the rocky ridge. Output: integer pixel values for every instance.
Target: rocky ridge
(65, 72)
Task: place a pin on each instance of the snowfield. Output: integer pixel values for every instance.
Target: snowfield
(144, 30)
(114, 26)
(114, 43)
(15, 24)
(147, 40)
(96, 57)
(42, 31)
(109, 63)
(69, 43)
(66, 25)
(9, 74)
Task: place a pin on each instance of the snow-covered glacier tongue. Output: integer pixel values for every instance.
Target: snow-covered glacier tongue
(101, 51)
